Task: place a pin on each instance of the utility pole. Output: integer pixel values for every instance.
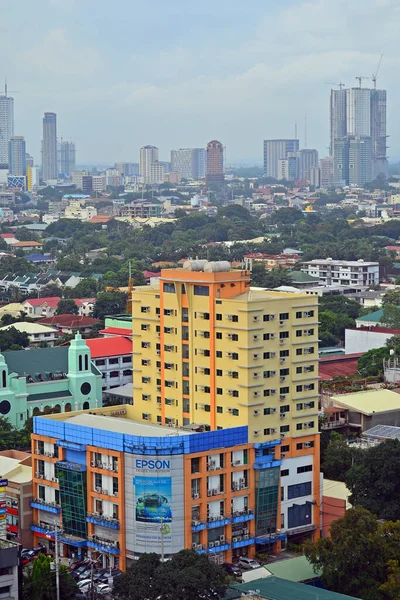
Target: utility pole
(57, 566)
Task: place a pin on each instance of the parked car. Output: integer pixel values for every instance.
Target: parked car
(103, 588)
(248, 563)
(232, 569)
(84, 585)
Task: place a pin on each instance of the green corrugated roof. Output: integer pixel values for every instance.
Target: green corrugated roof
(300, 277)
(293, 569)
(274, 588)
(373, 316)
(37, 360)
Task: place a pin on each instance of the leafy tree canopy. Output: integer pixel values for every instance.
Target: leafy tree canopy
(186, 576)
(357, 559)
(66, 306)
(40, 581)
(109, 303)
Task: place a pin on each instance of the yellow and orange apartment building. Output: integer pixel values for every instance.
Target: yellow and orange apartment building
(220, 450)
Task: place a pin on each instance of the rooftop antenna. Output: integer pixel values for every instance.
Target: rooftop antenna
(6, 91)
(375, 75)
(305, 131)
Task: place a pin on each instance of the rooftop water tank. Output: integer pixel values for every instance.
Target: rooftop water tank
(217, 267)
(194, 265)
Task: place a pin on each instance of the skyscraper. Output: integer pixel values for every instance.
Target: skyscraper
(17, 155)
(49, 148)
(307, 160)
(6, 126)
(189, 162)
(360, 112)
(274, 150)
(148, 156)
(326, 167)
(215, 162)
(338, 116)
(66, 158)
(353, 160)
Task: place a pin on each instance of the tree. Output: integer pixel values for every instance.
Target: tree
(66, 306)
(40, 581)
(186, 576)
(86, 288)
(355, 560)
(12, 339)
(340, 305)
(374, 480)
(370, 364)
(50, 290)
(338, 458)
(391, 587)
(391, 316)
(109, 303)
(24, 235)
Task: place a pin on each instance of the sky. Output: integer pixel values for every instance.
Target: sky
(179, 73)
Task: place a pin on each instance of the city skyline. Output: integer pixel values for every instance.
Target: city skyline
(241, 95)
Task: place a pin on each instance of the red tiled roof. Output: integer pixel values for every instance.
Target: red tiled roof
(116, 331)
(81, 301)
(100, 219)
(69, 321)
(394, 248)
(7, 236)
(148, 274)
(28, 244)
(51, 301)
(335, 366)
(112, 346)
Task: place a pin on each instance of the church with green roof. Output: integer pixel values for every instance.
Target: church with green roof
(46, 380)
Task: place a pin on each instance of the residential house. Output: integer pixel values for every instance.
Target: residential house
(364, 410)
(362, 339)
(36, 332)
(117, 325)
(41, 307)
(85, 306)
(69, 324)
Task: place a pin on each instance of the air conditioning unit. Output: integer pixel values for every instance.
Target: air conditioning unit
(246, 537)
(199, 547)
(282, 397)
(216, 543)
(272, 354)
(307, 445)
(236, 463)
(271, 317)
(257, 432)
(283, 454)
(98, 490)
(209, 492)
(281, 323)
(273, 392)
(282, 379)
(194, 546)
(37, 474)
(92, 464)
(273, 430)
(104, 492)
(282, 341)
(211, 544)
(256, 413)
(221, 538)
(234, 540)
(282, 361)
(273, 410)
(196, 496)
(283, 415)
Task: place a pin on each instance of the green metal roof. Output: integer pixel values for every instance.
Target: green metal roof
(300, 277)
(274, 588)
(49, 396)
(375, 316)
(37, 360)
(293, 569)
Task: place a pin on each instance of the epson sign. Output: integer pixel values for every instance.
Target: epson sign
(153, 465)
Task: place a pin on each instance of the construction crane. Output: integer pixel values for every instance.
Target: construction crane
(360, 78)
(375, 75)
(340, 85)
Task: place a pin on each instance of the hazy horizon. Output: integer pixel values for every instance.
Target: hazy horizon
(123, 75)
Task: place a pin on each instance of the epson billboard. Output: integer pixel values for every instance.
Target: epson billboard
(154, 502)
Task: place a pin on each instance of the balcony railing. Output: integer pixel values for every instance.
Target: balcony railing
(334, 424)
(102, 520)
(43, 505)
(103, 545)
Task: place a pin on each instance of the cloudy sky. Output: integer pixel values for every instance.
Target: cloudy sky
(177, 73)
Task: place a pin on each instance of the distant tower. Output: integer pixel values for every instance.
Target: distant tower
(6, 126)
(49, 158)
(17, 156)
(66, 158)
(148, 156)
(215, 162)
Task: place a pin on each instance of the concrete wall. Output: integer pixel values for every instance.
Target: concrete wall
(362, 341)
